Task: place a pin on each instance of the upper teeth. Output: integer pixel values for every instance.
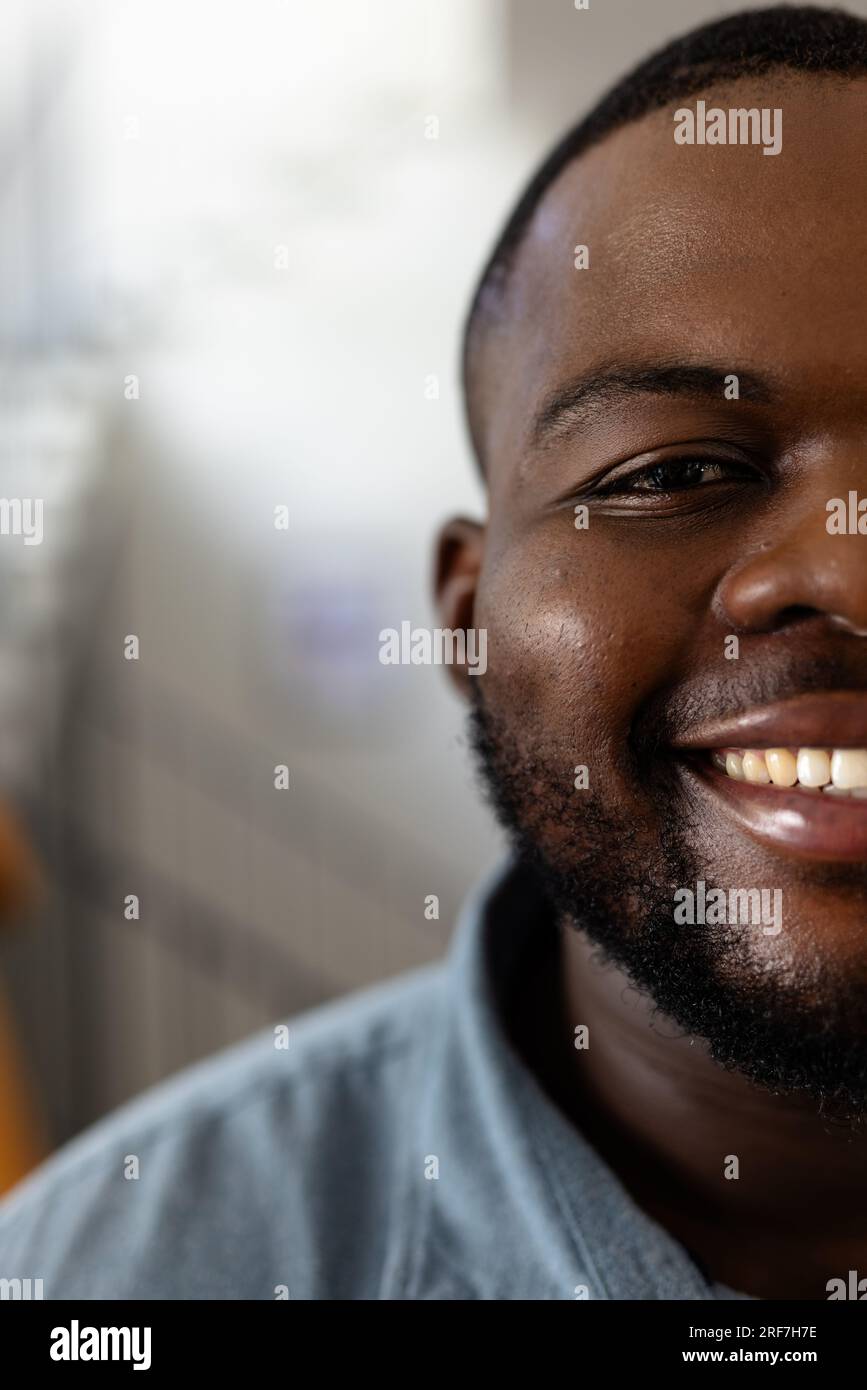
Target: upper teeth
(837, 770)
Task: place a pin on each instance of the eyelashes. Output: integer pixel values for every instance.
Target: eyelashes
(667, 477)
(688, 478)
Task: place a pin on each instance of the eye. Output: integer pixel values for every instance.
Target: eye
(675, 475)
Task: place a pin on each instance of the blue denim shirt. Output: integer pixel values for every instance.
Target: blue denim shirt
(397, 1148)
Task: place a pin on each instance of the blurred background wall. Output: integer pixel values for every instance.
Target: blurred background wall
(236, 245)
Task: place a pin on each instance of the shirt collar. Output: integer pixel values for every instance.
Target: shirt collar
(522, 1207)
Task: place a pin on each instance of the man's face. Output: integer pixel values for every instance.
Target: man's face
(706, 519)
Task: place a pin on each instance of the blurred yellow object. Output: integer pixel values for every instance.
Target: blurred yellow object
(20, 874)
(22, 1144)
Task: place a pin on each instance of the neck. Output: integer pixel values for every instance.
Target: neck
(767, 1194)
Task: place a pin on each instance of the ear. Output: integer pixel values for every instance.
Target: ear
(460, 550)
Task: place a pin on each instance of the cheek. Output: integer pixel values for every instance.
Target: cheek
(573, 648)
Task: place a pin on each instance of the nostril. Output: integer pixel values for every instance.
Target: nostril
(794, 614)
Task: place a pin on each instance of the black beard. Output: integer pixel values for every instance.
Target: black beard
(790, 1036)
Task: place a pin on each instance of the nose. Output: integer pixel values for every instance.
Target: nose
(805, 570)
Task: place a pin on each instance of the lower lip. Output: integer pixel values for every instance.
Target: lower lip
(807, 825)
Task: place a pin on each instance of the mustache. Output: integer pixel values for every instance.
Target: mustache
(762, 680)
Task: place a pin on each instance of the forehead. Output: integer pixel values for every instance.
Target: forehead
(694, 250)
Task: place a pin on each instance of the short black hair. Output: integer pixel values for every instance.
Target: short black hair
(801, 38)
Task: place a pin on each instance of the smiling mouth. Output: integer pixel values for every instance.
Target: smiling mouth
(831, 771)
(778, 775)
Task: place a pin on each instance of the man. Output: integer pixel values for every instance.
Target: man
(642, 1072)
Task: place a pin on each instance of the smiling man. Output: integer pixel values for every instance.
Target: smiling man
(642, 1072)
(663, 432)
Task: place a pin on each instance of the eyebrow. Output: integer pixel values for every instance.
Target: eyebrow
(569, 406)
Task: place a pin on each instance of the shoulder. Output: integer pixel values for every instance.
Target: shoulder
(269, 1167)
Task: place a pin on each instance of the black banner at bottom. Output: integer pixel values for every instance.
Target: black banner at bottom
(163, 1338)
